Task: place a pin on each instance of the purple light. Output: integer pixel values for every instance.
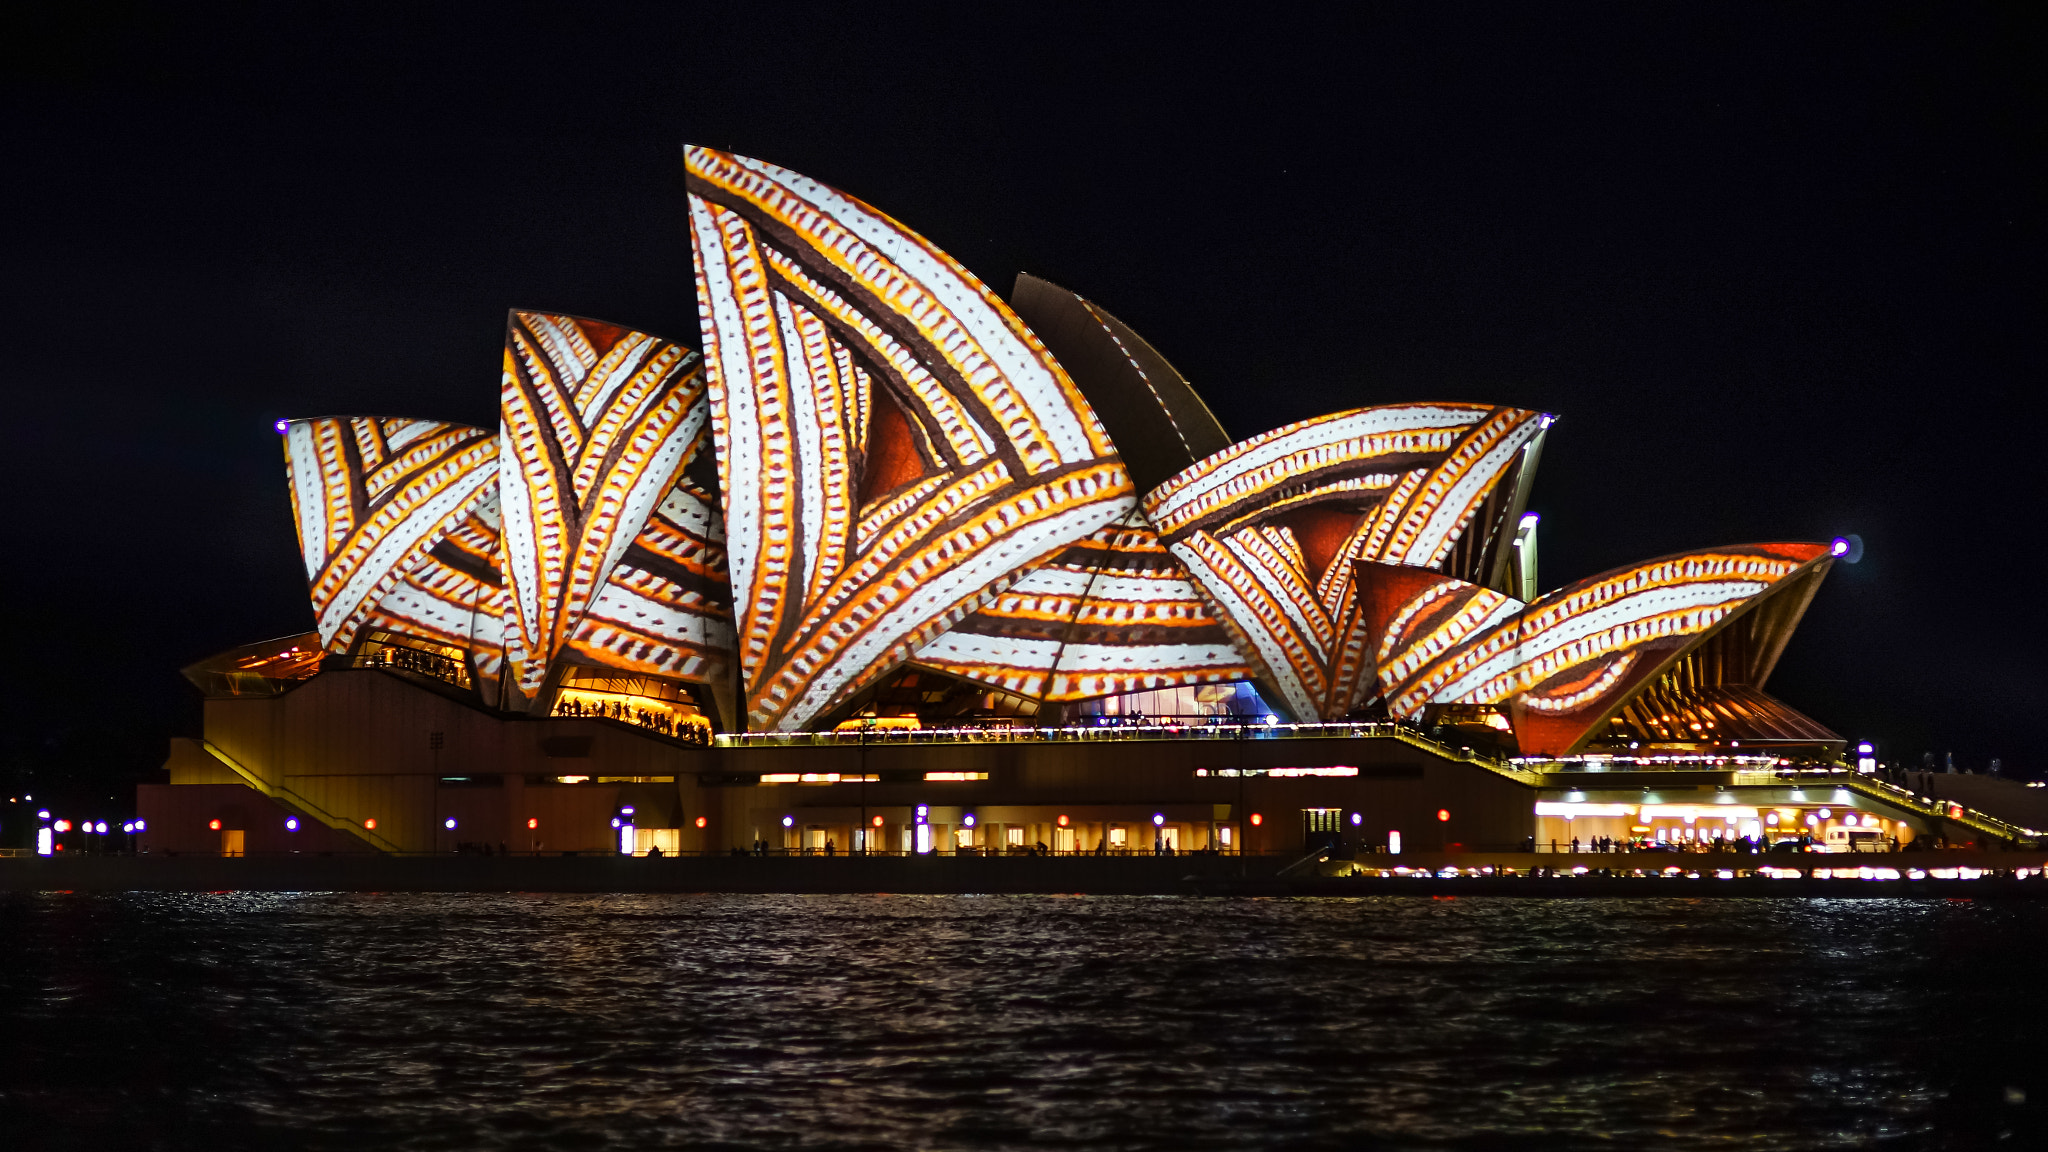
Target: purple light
(283, 426)
(291, 824)
(1840, 547)
(449, 823)
(1158, 818)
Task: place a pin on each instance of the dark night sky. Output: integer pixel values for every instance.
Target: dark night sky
(1778, 267)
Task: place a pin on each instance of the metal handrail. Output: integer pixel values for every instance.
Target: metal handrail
(1364, 730)
(286, 796)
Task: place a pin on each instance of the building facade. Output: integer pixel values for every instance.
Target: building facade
(886, 562)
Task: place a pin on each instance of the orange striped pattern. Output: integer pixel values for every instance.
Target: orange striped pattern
(1562, 634)
(666, 609)
(1564, 660)
(451, 597)
(598, 423)
(818, 311)
(1113, 613)
(1398, 482)
(372, 498)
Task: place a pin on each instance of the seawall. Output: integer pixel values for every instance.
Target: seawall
(939, 875)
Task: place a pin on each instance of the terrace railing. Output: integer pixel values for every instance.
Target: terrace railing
(1159, 729)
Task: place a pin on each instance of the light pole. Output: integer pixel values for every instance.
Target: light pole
(866, 833)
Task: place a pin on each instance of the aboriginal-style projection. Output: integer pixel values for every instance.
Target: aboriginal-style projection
(1565, 662)
(881, 493)
(894, 443)
(1272, 527)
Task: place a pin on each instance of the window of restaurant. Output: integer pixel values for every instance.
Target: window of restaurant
(645, 840)
(1321, 827)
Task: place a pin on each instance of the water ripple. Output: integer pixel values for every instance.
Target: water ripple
(170, 1021)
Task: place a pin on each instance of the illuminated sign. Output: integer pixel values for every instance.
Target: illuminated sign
(894, 445)
(1697, 811)
(1569, 810)
(1328, 770)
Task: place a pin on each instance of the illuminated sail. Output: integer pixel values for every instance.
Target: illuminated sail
(1567, 659)
(894, 445)
(372, 498)
(1110, 614)
(452, 597)
(1271, 528)
(666, 609)
(598, 423)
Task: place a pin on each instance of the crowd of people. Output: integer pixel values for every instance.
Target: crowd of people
(423, 663)
(666, 723)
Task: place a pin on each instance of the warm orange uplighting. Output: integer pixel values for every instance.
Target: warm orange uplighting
(1257, 819)
(371, 823)
(532, 822)
(213, 824)
(1063, 821)
(1443, 814)
(701, 821)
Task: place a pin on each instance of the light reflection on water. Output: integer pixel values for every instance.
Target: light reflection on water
(434, 1021)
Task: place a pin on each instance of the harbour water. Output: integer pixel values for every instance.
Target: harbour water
(245, 1020)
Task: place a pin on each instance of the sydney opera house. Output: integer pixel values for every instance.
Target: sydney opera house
(880, 561)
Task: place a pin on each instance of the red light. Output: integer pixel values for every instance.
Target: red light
(1257, 819)
(532, 823)
(1443, 814)
(878, 821)
(371, 823)
(701, 821)
(65, 825)
(1063, 821)
(213, 824)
